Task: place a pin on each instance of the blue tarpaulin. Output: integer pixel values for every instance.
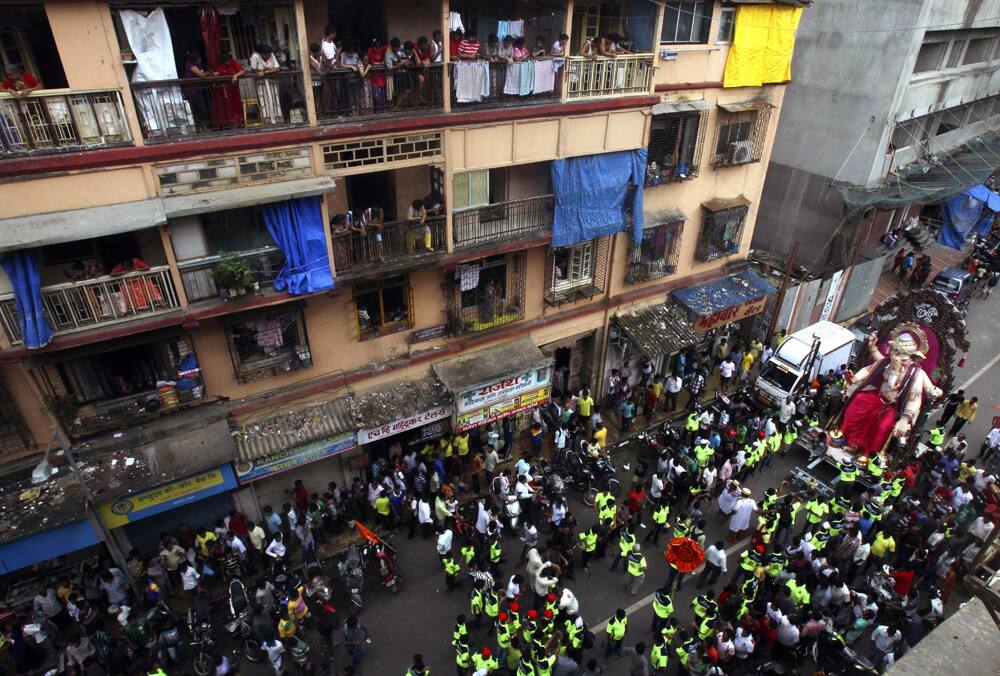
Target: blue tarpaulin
(22, 269)
(46, 545)
(964, 213)
(590, 195)
(720, 294)
(298, 230)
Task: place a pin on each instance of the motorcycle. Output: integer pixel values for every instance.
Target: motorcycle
(391, 579)
(837, 657)
(512, 511)
(239, 626)
(199, 621)
(352, 571)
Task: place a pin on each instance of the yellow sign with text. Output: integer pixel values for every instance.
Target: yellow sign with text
(124, 510)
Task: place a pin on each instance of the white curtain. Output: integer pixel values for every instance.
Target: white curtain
(162, 108)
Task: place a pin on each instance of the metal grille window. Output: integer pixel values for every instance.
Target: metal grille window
(268, 344)
(385, 150)
(675, 146)
(742, 130)
(686, 22)
(722, 228)
(486, 293)
(383, 306)
(576, 272)
(14, 434)
(656, 255)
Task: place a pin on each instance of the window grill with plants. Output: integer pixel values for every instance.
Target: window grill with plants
(232, 276)
(722, 228)
(675, 147)
(486, 293)
(656, 255)
(267, 344)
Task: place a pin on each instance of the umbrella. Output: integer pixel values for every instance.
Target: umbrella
(684, 554)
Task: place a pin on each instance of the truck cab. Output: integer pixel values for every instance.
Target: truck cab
(800, 357)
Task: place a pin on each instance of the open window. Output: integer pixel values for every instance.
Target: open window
(267, 344)
(742, 132)
(675, 147)
(577, 271)
(722, 227)
(383, 306)
(686, 22)
(26, 42)
(486, 293)
(656, 255)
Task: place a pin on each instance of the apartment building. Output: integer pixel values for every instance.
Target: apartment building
(222, 274)
(894, 109)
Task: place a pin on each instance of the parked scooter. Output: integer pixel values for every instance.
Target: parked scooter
(352, 571)
(391, 579)
(239, 625)
(199, 620)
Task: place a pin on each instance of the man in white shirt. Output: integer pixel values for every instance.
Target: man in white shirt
(656, 486)
(743, 512)
(715, 565)
(329, 46)
(726, 370)
(885, 641)
(444, 542)
(672, 386)
(990, 444)
(743, 643)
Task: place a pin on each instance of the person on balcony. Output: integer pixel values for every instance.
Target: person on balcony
(227, 104)
(197, 95)
(437, 47)
(454, 39)
(559, 46)
(595, 47)
(539, 50)
(376, 60)
(468, 48)
(617, 44)
(506, 52)
(317, 72)
(351, 60)
(264, 65)
(371, 219)
(416, 217)
(329, 46)
(18, 81)
(520, 51)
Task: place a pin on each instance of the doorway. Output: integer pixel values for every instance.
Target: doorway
(372, 190)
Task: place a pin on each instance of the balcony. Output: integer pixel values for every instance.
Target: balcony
(498, 83)
(608, 77)
(199, 281)
(104, 300)
(55, 122)
(175, 109)
(505, 221)
(402, 244)
(343, 94)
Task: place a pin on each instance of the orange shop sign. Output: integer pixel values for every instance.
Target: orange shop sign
(730, 314)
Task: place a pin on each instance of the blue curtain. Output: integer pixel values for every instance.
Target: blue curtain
(964, 213)
(590, 195)
(298, 230)
(22, 269)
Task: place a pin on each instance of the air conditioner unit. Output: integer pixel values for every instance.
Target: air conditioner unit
(740, 152)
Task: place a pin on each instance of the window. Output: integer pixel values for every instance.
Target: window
(686, 22)
(979, 50)
(956, 53)
(656, 255)
(908, 133)
(979, 110)
(268, 344)
(947, 123)
(722, 228)
(727, 25)
(470, 189)
(741, 135)
(930, 56)
(383, 306)
(486, 293)
(675, 144)
(235, 230)
(576, 271)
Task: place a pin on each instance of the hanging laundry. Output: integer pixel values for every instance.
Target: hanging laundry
(545, 76)
(512, 83)
(455, 22)
(527, 78)
(503, 29)
(485, 66)
(468, 82)
(516, 28)
(269, 336)
(468, 276)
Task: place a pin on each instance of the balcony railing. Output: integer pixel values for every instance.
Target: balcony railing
(503, 221)
(172, 109)
(400, 239)
(76, 306)
(342, 93)
(606, 77)
(499, 83)
(47, 122)
(199, 283)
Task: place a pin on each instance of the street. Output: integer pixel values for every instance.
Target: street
(420, 618)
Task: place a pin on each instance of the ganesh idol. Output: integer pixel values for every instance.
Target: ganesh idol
(884, 398)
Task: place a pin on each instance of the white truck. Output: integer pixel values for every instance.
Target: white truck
(813, 350)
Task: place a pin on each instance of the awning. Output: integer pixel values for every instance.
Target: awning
(485, 366)
(744, 107)
(725, 300)
(267, 435)
(233, 198)
(655, 219)
(57, 227)
(398, 400)
(657, 330)
(928, 183)
(721, 204)
(672, 107)
(46, 545)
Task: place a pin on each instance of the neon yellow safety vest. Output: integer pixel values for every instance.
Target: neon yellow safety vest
(663, 606)
(636, 564)
(588, 539)
(936, 436)
(658, 656)
(692, 424)
(616, 628)
(660, 514)
(625, 542)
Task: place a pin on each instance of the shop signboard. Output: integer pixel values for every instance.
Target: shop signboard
(730, 314)
(132, 508)
(488, 414)
(401, 425)
(504, 389)
(273, 463)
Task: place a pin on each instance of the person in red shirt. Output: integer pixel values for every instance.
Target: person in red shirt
(468, 48)
(18, 82)
(903, 580)
(636, 500)
(301, 495)
(454, 38)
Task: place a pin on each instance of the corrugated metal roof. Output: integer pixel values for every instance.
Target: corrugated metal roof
(671, 107)
(745, 106)
(657, 330)
(293, 427)
(726, 292)
(396, 400)
(482, 366)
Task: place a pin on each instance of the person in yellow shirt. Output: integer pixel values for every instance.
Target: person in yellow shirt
(584, 407)
(882, 546)
(601, 435)
(966, 412)
(445, 446)
(205, 541)
(746, 363)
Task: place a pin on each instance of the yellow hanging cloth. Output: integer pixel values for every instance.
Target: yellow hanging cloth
(763, 43)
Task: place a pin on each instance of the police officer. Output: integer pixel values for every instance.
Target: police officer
(660, 514)
(588, 544)
(848, 475)
(484, 660)
(626, 539)
(663, 608)
(617, 626)
(636, 568)
(451, 569)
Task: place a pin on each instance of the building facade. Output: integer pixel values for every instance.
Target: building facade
(883, 91)
(346, 261)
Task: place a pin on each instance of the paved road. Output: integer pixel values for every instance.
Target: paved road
(420, 618)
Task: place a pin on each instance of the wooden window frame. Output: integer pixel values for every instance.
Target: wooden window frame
(383, 327)
(662, 137)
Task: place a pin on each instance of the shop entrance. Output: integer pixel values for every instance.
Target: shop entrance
(573, 362)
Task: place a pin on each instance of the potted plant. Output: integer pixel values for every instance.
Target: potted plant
(232, 276)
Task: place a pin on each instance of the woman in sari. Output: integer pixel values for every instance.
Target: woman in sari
(264, 65)
(227, 105)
